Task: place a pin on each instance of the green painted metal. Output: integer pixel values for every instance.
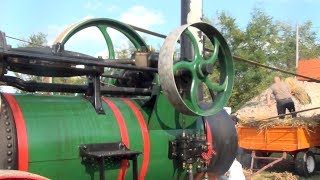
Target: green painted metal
(168, 118)
(132, 35)
(103, 24)
(103, 30)
(223, 89)
(57, 125)
(56, 129)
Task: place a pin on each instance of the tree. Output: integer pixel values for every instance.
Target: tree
(264, 41)
(36, 40)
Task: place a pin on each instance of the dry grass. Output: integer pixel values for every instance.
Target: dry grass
(270, 175)
(296, 122)
(298, 92)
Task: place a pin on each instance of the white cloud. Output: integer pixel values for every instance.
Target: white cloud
(53, 31)
(93, 5)
(111, 8)
(142, 17)
(90, 40)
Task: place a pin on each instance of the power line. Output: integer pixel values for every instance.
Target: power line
(10, 37)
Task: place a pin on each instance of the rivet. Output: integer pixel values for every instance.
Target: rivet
(9, 167)
(8, 130)
(6, 116)
(8, 137)
(9, 160)
(9, 153)
(7, 123)
(9, 145)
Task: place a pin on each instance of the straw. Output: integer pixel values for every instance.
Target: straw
(298, 92)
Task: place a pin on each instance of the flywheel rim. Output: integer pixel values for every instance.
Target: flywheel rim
(167, 69)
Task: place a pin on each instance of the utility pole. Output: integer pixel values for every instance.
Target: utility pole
(297, 46)
(191, 12)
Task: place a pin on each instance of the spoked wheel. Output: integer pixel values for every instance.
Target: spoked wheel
(305, 163)
(180, 79)
(103, 25)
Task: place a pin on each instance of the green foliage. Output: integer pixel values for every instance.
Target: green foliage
(264, 41)
(36, 40)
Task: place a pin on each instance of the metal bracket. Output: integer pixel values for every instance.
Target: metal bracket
(92, 154)
(57, 48)
(95, 93)
(274, 160)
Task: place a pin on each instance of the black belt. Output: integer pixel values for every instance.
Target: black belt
(284, 99)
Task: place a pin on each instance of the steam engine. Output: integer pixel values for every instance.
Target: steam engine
(138, 118)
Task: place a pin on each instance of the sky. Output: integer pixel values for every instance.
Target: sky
(21, 18)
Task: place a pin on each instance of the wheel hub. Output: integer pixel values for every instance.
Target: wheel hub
(207, 69)
(310, 164)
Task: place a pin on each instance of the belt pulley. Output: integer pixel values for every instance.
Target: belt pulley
(185, 99)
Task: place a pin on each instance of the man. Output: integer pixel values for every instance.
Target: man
(282, 94)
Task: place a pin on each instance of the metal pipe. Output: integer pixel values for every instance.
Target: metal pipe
(190, 172)
(72, 60)
(126, 91)
(114, 77)
(290, 113)
(32, 86)
(148, 32)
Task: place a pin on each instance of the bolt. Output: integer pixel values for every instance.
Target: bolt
(6, 116)
(9, 145)
(8, 130)
(207, 69)
(8, 137)
(9, 167)
(9, 153)
(7, 123)
(9, 160)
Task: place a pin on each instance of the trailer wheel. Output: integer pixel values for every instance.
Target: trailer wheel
(305, 163)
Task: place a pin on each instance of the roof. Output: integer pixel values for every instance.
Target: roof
(310, 68)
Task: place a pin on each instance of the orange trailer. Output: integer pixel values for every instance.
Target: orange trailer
(295, 141)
